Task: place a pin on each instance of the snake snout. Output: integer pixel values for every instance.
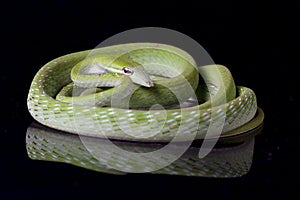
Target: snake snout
(150, 84)
(142, 78)
(147, 84)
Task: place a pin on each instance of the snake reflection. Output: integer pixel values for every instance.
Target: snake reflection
(231, 159)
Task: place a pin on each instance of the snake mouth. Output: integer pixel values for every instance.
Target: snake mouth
(149, 84)
(140, 77)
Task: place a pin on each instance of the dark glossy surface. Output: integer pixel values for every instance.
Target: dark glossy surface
(256, 42)
(226, 160)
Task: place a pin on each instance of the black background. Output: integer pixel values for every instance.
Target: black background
(257, 42)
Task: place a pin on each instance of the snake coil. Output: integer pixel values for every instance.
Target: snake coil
(84, 93)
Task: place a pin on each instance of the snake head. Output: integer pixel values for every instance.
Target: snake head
(138, 75)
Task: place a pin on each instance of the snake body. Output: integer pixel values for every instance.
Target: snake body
(84, 93)
(46, 144)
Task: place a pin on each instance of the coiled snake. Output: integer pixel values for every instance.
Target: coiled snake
(119, 92)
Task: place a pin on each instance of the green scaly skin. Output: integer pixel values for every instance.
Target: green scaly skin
(99, 121)
(47, 144)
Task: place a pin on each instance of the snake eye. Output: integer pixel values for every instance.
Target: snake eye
(127, 71)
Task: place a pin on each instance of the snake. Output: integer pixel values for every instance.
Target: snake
(43, 143)
(138, 92)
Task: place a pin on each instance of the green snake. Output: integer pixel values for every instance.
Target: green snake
(47, 144)
(104, 91)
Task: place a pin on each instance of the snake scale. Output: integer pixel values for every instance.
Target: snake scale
(137, 91)
(47, 144)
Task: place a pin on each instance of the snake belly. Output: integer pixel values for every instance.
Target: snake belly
(105, 120)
